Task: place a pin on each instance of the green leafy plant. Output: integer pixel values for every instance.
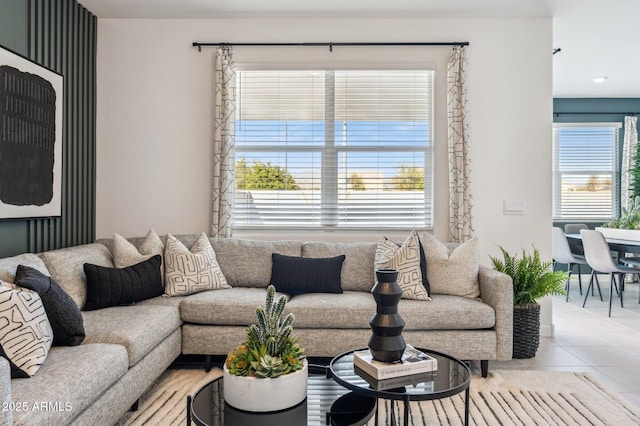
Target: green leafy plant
(629, 217)
(532, 277)
(269, 349)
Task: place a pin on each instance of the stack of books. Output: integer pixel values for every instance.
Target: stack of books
(413, 368)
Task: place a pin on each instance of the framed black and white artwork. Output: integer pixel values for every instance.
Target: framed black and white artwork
(30, 138)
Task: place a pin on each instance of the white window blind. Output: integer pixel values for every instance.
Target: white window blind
(346, 149)
(585, 178)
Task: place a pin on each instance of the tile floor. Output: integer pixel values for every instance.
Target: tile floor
(587, 340)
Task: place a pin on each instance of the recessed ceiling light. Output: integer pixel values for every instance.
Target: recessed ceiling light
(600, 79)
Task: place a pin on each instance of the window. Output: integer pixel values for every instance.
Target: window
(585, 172)
(333, 149)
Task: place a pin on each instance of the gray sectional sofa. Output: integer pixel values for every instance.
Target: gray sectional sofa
(127, 347)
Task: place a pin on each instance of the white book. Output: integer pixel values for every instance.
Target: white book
(425, 380)
(413, 361)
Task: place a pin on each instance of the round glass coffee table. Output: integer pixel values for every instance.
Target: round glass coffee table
(452, 377)
(327, 403)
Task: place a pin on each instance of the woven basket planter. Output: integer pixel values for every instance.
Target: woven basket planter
(526, 330)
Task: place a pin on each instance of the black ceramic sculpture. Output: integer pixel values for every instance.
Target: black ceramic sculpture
(386, 343)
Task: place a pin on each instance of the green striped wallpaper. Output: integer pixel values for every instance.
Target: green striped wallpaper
(62, 37)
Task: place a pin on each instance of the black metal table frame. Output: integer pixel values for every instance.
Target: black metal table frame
(313, 369)
(406, 398)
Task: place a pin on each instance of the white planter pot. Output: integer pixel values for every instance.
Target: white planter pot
(620, 234)
(265, 395)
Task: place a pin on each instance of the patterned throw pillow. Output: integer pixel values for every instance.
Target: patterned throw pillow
(406, 259)
(191, 271)
(25, 332)
(454, 272)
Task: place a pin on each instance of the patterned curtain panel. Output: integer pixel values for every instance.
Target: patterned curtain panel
(628, 163)
(223, 142)
(460, 202)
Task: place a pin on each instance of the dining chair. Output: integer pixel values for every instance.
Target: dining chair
(634, 262)
(599, 259)
(561, 253)
(574, 228)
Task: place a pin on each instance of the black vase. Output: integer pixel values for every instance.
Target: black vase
(386, 343)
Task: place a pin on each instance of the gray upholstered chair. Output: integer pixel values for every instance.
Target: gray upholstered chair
(562, 254)
(574, 228)
(598, 256)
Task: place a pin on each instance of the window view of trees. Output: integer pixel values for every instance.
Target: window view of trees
(266, 176)
(355, 182)
(409, 178)
(261, 175)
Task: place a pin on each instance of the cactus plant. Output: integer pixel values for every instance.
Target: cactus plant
(269, 349)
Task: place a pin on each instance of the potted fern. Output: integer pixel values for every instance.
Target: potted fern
(532, 280)
(268, 372)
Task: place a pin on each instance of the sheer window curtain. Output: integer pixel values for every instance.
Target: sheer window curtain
(223, 142)
(628, 152)
(460, 200)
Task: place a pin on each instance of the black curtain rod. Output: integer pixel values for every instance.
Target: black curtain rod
(330, 45)
(596, 113)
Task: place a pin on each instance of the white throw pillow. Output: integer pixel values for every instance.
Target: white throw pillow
(25, 331)
(454, 272)
(406, 259)
(126, 254)
(191, 271)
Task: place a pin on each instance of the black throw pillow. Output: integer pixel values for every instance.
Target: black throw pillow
(298, 275)
(63, 313)
(113, 287)
(423, 269)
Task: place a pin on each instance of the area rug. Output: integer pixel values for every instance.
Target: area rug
(506, 397)
(166, 402)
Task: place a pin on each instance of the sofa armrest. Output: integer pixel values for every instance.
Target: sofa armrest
(6, 418)
(496, 290)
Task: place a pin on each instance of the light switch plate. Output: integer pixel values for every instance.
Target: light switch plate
(514, 207)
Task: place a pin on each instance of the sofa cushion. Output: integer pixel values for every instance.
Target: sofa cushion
(25, 332)
(138, 328)
(66, 267)
(8, 265)
(191, 271)
(126, 254)
(452, 272)
(354, 309)
(112, 286)
(234, 306)
(64, 315)
(406, 259)
(72, 377)
(351, 309)
(447, 312)
(297, 275)
(358, 262)
(233, 254)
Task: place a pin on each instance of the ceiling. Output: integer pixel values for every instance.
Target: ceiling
(595, 36)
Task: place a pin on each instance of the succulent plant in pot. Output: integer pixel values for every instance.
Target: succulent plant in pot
(533, 279)
(269, 362)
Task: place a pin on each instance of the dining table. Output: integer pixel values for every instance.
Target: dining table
(616, 245)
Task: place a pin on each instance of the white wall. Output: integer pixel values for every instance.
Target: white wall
(155, 106)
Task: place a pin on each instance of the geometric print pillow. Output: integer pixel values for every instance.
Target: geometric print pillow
(191, 271)
(25, 332)
(406, 259)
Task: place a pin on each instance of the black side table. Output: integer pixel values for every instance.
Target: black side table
(327, 403)
(452, 377)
